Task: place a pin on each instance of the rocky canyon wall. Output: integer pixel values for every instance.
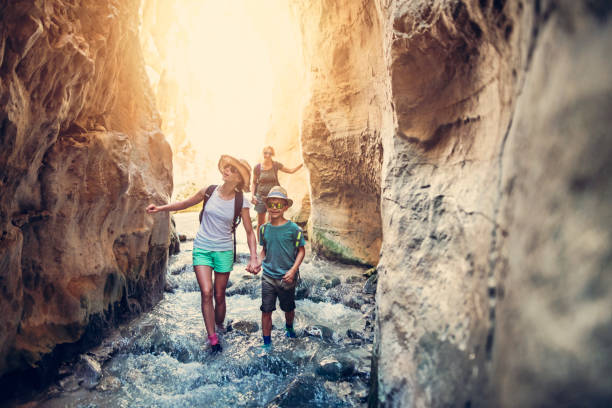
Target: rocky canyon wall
(476, 129)
(82, 155)
(455, 72)
(341, 126)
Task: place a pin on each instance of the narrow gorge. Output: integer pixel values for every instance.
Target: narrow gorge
(459, 147)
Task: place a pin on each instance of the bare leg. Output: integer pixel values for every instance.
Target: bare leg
(266, 323)
(220, 286)
(204, 277)
(289, 316)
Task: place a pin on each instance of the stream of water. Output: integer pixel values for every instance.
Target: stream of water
(162, 359)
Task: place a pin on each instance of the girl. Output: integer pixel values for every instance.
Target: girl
(213, 245)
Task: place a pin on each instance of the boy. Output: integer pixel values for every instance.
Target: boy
(282, 253)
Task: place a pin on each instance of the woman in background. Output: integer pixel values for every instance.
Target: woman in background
(265, 176)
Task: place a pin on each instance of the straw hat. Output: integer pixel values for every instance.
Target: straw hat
(279, 192)
(243, 168)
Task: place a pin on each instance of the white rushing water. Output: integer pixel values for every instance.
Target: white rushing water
(164, 360)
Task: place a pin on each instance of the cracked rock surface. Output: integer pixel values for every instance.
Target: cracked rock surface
(81, 157)
(485, 154)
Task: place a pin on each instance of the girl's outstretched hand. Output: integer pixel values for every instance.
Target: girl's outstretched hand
(152, 209)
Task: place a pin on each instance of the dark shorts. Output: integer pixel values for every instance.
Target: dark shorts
(271, 289)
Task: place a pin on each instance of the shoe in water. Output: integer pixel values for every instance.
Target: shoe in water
(266, 347)
(216, 348)
(290, 332)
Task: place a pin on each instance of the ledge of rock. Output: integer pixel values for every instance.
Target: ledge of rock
(82, 156)
(341, 140)
(476, 129)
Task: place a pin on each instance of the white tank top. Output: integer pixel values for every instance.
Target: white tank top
(215, 233)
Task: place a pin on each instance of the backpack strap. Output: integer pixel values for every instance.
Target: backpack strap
(209, 190)
(257, 174)
(298, 237)
(262, 230)
(238, 200)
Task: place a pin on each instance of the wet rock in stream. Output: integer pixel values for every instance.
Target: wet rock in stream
(370, 285)
(170, 287)
(245, 326)
(303, 388)
(335, 369)
(319, 331)
(163, 358)
(87, 374)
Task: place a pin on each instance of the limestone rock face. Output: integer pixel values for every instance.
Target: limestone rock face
(553, 326)
(341, 140)
(454, 72)
(81, 157)
(496, 158)
(478, 132)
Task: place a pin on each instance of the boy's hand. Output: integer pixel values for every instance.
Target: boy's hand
(289, 276)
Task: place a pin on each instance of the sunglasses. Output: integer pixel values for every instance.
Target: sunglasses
(278, 206)
(232, 169)
(267, 153)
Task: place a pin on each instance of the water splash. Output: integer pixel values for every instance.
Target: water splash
(162, 358)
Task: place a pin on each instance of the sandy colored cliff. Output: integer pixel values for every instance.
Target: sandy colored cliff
(82, 155)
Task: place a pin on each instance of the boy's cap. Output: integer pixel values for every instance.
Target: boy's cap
(279, 192)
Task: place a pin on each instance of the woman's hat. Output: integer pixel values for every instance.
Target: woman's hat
(279, 192)
(243, 167)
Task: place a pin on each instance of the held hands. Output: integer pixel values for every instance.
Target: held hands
(254, 266)
(254, 201)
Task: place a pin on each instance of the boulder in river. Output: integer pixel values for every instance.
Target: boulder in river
(353, 301)
(335, 369)
(88, 372)
(370, 285)
(320, 331)
(301, 389)
(245, 326)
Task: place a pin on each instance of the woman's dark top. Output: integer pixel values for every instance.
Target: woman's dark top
(267, 179)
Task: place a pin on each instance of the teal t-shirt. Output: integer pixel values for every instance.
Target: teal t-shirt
(280, 247)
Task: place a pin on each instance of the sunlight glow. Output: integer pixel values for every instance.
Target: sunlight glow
(210, 65)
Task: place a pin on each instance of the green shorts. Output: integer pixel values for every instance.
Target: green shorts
(219, 261)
